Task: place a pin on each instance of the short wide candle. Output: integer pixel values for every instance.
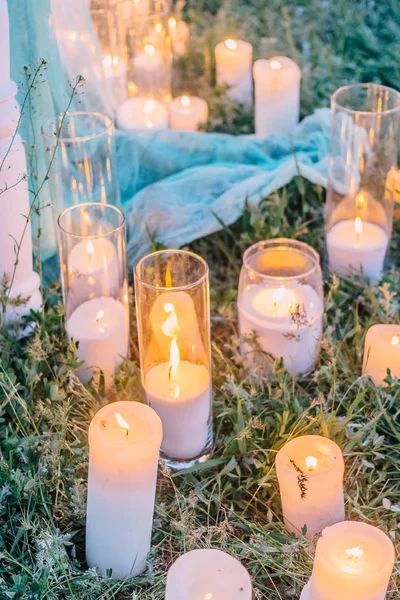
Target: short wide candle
(353, 561)
(187, 113)
(142, 113)
(357, 247)
(208, 575)
(234, 59)
(310, 473)
(124, 444)
(382, 352)
(277, 95)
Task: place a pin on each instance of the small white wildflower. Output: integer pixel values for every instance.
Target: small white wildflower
(386, 503)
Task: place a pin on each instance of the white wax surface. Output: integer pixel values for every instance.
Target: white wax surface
(280, 333)
(340, 572)
(187, 117)
(277, 95)
(234, 70)
(348, 253)
(208, 574)
(185, 418)
(103, 340)
(148, 70)
(321, 503)
(93, 270)
(132, 114)
(382, 352)
(121, 488)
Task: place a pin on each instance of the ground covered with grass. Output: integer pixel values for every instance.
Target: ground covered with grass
(232, 501)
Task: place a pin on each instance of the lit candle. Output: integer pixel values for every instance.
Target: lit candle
(353, 561)
(277, 95)
(382, 352)
(115, 72)
(93, 270)
(234, 59)
(101, 326)
(148, 68)
(287, 319)
(179, 390)
(142, 113)
(310, 473)
(180, 34)
(208, 574)
(124, 444)
(356, 246)
(187, 113)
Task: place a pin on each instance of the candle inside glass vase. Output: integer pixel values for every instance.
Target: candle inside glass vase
(172, 300)
(280, 306)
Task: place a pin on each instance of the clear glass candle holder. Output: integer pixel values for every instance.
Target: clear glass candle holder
(280, 306)
(365, 134)
(83, 168)
(95, 286)
(173, 313)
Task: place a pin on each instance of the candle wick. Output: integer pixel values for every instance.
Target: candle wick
(169, 373)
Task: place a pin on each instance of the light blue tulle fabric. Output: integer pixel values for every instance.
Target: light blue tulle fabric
(173, 185)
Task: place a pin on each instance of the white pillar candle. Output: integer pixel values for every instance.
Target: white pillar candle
(148, 68)
(353, 561)
(234, 59)
(124, 444)
(355, 246)
(288, 323)
(186, 113)
(142, 113)
(310, 473)
(101, 326)
(115, 72)
(382, 352)
(277, 95)
(180, 34)
(93, 269)
(180, 390)
(208, 574)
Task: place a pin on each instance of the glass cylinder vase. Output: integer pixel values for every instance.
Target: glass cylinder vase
(365, 134)
(173, 313)
(280, 306)
(95, 286)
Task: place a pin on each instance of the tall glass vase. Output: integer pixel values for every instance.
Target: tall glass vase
(365, 135)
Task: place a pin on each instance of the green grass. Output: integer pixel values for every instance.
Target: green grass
(232, 502)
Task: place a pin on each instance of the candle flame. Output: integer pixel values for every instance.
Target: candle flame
(185, 101)
(100, 315)
(90, 247)
(275, 64)
(107, 61)
(174, 357)
(355, 552)
(170, 326)
(358, 226)
(278, 296)
(208, 597)
(149, 107)
(311, 463)
(122, 423)
(172, 22)
(360, 200)
(149, 49)
(395, 340)
(158, 27)
(231, 44)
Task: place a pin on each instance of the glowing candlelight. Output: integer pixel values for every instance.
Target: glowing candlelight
(395, 340)
(187, 113)
(275, 64)
(122, 423)
(311, 463)
(382, 352)
(234, 60)
(231, 44)
(185, 101)
(358, 229)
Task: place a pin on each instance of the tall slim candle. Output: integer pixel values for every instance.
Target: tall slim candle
(124, 443)
(234, 59)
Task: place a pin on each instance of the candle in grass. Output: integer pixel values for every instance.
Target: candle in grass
(233, 62)
(124, 443)
(382, 352)
(353, 561)
(310, 473)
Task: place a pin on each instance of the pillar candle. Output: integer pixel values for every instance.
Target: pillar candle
(382, 352)
(277, 95)
(101, 326)
(287, 321)
(310, 473)
(148, 68)
(142, 113)
(180, 34)
(208, 574)
(357, 247)
(187, 113)
(353, 561)
(116, 73)
(233, 60)
(124, 443)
